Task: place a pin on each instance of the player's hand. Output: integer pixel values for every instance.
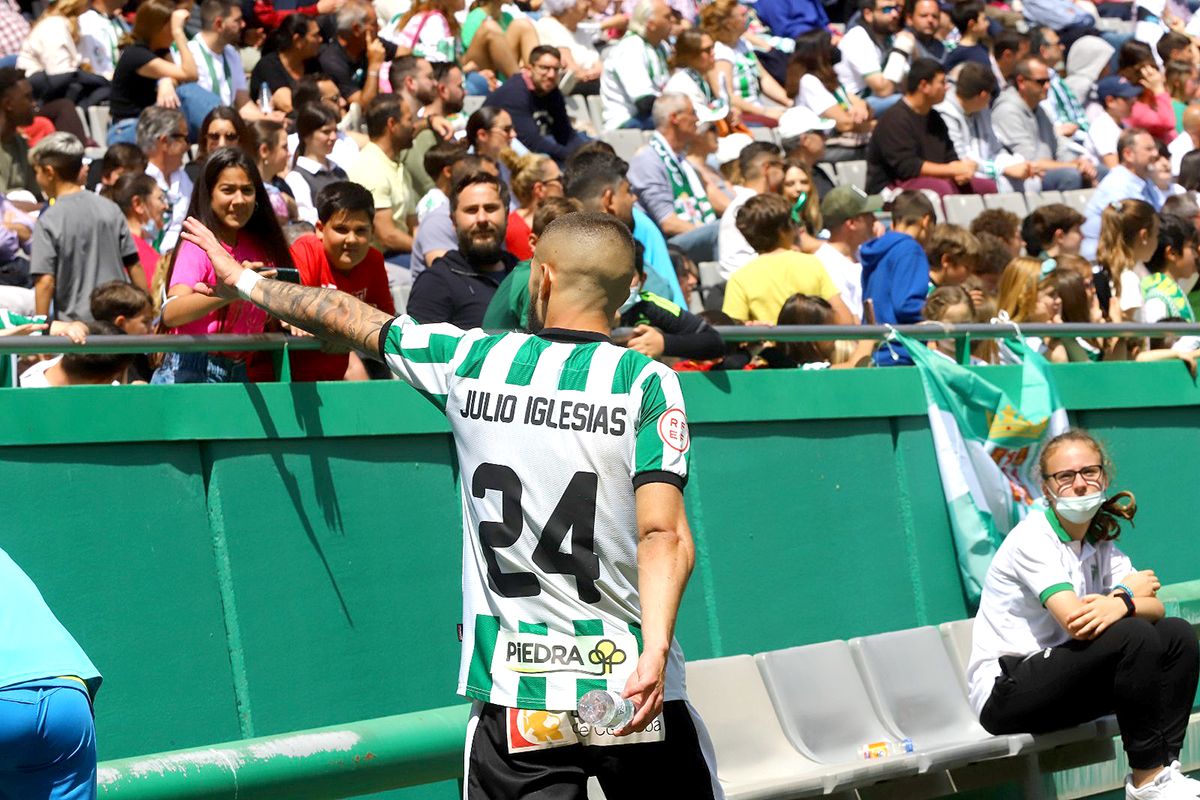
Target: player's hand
(24, 330)
(647, 340)
(1095, 616)
(226, 267)
(76, 331)
(645, 689)
(1143, 583)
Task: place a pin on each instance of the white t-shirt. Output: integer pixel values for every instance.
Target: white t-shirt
(681, 82)
(846, 275)
(427, 34)
(222, 74)
(860, 58)
(1131, 291)
(344, 153)
(733, 251)
(1032, 564)
(1179, 147)
(49, 48)
(814, 96)
(100, 40)
(35, 376)
(432, 199)
(1102, 136)
(633, 68)
(554, 33)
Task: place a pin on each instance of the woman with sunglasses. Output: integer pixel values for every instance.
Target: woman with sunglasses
(223, 127)
(1068, 631)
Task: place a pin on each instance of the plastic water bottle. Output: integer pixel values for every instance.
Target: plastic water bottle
(888, 747)
(264, 99)
(605, 709)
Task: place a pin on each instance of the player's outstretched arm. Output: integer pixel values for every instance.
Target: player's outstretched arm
(332, 315)
(665, 556)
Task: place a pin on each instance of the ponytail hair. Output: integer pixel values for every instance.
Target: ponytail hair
(1105, 526)
(1120, 224)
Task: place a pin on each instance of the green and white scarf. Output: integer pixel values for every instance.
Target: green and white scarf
(691, 201)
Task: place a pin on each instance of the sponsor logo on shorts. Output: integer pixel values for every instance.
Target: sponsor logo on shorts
(530, 729)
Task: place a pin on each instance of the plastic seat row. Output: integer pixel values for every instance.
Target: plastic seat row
(791, 723)
(962, 208)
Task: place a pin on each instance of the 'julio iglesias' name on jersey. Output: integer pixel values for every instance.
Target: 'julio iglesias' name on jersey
(548, 411)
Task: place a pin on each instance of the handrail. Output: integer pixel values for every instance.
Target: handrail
(274, 342)
(356, 758)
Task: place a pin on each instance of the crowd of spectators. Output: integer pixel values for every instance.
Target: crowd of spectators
(329, 144)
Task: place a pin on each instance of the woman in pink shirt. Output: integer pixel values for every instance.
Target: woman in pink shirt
(230, 199)
(1154, 111)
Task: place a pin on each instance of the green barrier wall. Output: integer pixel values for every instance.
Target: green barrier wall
(247, 561)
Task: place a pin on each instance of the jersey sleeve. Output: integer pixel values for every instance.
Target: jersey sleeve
(1035, 565)
(423, 356)
(663, 441)
(1119, 566)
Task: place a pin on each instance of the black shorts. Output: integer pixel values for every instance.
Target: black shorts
(504, 760)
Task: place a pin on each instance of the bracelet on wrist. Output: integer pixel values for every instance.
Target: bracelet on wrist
(1120, 587)
(1130, 608)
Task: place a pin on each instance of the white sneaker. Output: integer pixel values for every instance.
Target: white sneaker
(1165, 786)
(1191, 784)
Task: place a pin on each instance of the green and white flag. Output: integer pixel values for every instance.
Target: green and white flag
(987, 446)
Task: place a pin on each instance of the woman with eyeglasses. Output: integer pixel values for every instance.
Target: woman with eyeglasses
(534, 178)
(223, 127)
(692, 64)
(1068, 631)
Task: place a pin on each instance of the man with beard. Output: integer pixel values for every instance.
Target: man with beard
(436, 234)
(389, 124)
(535, 103)
(924, 17)
(458, 286)
(598, 179)
(437, 90)
(874, 56)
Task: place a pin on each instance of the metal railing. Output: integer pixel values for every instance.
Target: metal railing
(281, 344)
(357, 758)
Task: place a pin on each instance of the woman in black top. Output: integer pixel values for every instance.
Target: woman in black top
(135, 78)
(297, 41)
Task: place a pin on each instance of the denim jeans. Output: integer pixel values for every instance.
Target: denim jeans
(195, 103)
(199, 368)
(700, 243)
(123, 132)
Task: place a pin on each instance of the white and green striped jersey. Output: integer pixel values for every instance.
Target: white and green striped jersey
(8, 364)
(553, 433)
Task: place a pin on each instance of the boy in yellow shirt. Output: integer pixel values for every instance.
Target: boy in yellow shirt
(757, 291)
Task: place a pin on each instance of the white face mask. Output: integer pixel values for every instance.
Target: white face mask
(1079, 509)
(635, 294)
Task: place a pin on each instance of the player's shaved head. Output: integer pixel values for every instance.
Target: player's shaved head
(582, 266)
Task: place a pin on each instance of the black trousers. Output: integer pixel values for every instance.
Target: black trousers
(1144, 672)
(678, 766)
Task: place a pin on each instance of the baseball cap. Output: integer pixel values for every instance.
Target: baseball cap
(844, 202)
(731, 146)
(1116, 86)
(798, 120)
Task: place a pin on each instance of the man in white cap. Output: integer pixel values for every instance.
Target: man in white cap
(802, 134)
(761, 168)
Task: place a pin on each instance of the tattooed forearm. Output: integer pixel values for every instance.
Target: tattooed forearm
(326, 313)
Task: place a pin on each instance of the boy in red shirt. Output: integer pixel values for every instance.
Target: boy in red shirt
(339, 256)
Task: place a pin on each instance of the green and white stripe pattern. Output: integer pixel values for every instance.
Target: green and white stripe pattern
(550, 437)
(987, 446)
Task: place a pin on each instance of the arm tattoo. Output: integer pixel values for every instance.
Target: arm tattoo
(327, 313)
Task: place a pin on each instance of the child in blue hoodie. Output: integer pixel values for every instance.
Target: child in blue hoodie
(895, 270)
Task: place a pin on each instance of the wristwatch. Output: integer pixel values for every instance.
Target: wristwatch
(1130, 608)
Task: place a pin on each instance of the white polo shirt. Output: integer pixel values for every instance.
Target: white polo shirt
(1103, 133)
(1036, 560)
